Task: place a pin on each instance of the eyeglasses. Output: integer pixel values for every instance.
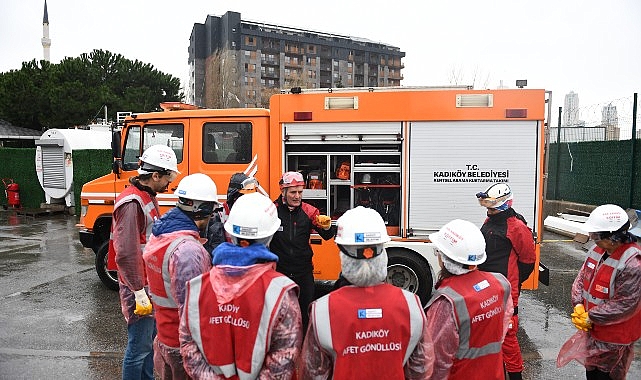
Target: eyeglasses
(249, 185)
(485, 200)
(172, 176)
(596, 236)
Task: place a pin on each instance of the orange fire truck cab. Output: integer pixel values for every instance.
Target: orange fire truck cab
(417, 156)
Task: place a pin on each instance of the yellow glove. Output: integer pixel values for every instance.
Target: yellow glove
(580, 318)
(324, 221)
(579, 309)
(143, 305)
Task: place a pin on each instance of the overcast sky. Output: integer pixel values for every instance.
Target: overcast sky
(592, 47)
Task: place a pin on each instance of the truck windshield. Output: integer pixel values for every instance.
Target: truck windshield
(171, 135)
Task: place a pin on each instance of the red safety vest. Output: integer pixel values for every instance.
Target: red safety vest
(166, 308)
(149, 207)
(479, 300)
(370, 331)
(599, 286)
(234, 337)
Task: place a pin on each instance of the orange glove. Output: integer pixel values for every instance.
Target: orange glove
(143, 305)
(324, 221)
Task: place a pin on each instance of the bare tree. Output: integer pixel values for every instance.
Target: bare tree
(298, 78)
(479, 79)
(265, 94)
(222, 80)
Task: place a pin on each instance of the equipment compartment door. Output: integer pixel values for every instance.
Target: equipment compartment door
(452, 161)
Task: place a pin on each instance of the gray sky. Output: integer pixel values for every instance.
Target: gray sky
(592, 47)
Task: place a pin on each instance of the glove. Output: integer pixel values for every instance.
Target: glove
(143, 305)
(324, 221)
(580, 318)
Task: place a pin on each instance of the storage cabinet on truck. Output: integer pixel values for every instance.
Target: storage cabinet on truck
(338, 181)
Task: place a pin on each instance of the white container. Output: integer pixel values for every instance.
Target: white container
(54, 159)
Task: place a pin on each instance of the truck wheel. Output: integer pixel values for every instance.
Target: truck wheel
(408, 271)
(108, 277)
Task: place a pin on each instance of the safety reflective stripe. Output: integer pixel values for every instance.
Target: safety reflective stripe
(273, 295)
(168, 301)
(147, 209)
(417, 318)
(464, 350)
(320, 311)
(616, 266)
(193, 311)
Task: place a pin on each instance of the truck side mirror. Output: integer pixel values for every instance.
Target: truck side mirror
(116, 166)
(115, 144)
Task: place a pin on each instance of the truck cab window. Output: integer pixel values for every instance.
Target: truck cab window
(131, 153)
(227, 143)
(171, 135)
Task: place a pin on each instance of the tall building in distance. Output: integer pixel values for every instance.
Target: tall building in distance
(571, 109)
(610, 121)
(46, 41)
(240, 63)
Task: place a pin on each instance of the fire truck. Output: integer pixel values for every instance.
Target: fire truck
(416, 155)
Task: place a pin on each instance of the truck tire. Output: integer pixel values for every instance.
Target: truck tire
(108, 277)
(409, 271)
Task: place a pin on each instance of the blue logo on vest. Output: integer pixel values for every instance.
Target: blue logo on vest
(370, 313)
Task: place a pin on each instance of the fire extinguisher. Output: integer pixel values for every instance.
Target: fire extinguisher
(12, 192)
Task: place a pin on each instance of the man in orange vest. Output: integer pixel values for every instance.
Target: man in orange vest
(241, 319)
(606, 296)
(471, 310)
(135, 210)
(370, 329)
(173, 256)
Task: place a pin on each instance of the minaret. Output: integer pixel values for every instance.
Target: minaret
(46, 41)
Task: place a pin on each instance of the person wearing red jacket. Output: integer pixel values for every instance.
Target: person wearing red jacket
(470, 311)
(241, 319)
(135, 210)
(173, 256)
(606, 296)
(368, 329)
(510, 248)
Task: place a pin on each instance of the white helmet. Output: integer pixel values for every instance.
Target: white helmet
(197, 194)
(495, 196)
(197, 186)
(361, 227)
(606, 218)
(461, 241)
(158, 158)
(253, 217)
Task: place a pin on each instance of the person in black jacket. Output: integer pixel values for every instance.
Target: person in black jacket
(291, 241)
(510, 249)
(239, 184)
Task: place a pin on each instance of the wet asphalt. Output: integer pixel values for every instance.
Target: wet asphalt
(57, 320)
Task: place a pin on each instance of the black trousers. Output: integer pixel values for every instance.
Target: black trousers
(305, 282)
(595, 374)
